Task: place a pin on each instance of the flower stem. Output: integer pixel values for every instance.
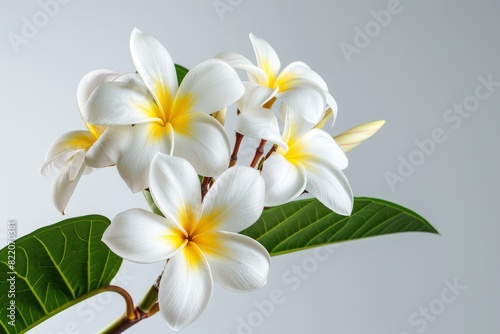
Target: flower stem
(273, 149)
(150, 299)
(205, 185)
(234, 155)
(258, 153)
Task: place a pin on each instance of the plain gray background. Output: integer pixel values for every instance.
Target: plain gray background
(415, 68)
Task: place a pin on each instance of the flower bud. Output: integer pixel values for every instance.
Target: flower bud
(358, 134)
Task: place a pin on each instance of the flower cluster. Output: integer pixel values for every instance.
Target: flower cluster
(163, 135)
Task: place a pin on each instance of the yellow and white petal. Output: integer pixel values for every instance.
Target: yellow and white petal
(299, 70)
(185, 287)
(306, 98)
(120, 103)
(203, 141)
(267, 59)
(110, 146)
(234, 202)
(65, 183)
(295, 125)
(259, 123)
(141, 236)
(90, 82)
(65, 147)
(209, 87)
(284, 180)
(147, 140)
(175, 189)
(240, 62)
(328, 184)
(238, 263)
(255, 96)
(155, 66)
(317, 144)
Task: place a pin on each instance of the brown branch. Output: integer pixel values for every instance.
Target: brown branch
(258, 153)
(234, 155)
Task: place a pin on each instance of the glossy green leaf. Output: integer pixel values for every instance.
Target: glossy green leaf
(55, 267)
(308, 223)
(181, 72)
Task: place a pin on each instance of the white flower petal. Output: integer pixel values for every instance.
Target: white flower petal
(330, 101)
(259, 123)
(134, 164)
(239, 263)
(307, 99)
(284, 180)
(65, 147)
(155, 66)
(110, 146)
(141, 236)
(202, 140)
(300, 70)
(90, 82)
(120, 103)
(295, 125)
(235, 201)
(255, 96)
(64, 185)
(329, 185)
(211, 86)
(317, 144)
(76, 163)
(185, 287)
(267, 59)
(240, 62)
(175, 189)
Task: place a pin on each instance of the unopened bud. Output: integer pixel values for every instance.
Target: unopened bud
(358, 134)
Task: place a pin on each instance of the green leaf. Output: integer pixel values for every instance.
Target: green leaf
(308, 223)
(151, 202)
(55, 267)
(181, 73)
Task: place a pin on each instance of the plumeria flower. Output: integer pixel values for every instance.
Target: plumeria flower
(297, 85)
(167, 118)
(199, 238)
(254, 120)
(313, 162)
(72, 152)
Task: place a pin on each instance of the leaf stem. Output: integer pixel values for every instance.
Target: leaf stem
(146, 308)
(129, 312)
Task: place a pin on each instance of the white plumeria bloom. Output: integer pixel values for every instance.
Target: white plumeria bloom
(313, 162)
(199, 238)
(254, 120)
(72, 152)
(167, 118)
(296, 85)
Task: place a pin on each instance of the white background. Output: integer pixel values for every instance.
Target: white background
(425, 60)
